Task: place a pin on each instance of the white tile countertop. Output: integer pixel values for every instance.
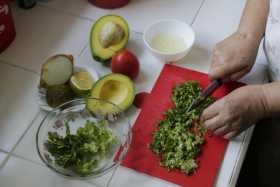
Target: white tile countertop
(63, 26)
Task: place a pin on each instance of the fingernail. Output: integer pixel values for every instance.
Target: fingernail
(225, 137)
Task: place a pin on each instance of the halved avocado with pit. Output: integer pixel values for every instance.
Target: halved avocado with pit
(101, 53)
(115, 88)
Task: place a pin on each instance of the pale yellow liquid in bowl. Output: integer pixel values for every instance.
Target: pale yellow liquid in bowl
(168, 43)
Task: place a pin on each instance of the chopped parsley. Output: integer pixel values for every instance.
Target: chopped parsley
(179, 136)
(83, 151)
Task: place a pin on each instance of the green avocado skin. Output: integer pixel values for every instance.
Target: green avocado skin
(101, 60)
(96, 57)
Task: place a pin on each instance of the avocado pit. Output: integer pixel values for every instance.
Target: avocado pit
(110, 34)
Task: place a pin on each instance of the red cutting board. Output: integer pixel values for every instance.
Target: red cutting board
(142, 159)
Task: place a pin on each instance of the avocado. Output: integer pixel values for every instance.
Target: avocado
(108, 36)
(115, 88)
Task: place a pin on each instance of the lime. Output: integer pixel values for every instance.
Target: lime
(81, 82)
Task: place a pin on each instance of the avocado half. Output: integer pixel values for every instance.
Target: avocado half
(115, 88)
(100, 53)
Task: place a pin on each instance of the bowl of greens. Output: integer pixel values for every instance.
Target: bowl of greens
(79, 143)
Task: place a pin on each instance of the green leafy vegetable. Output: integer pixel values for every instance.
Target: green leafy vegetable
(84, 150)
(179, 137)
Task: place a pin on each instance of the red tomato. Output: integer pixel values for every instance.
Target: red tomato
(125, 62)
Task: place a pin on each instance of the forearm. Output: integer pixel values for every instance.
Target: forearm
(271, 98)
(253, 20)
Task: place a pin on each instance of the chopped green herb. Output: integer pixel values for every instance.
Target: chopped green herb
(84, 150)
(179, 136)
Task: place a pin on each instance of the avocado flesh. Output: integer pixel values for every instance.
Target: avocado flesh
(99, 52)
(115, 88)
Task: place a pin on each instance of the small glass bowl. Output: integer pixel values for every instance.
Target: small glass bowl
(76, 113)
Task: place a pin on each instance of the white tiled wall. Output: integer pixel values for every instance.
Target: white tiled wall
(62, 26)
(42, 33)
(27, 146)
(18, 105)
(19, 172)
(138, 13)
(216, 20)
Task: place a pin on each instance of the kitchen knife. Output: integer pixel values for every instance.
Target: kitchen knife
(205, 93)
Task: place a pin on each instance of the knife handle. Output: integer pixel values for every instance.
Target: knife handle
(212, 87)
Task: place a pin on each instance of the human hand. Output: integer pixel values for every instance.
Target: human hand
(233, 57)
(235, 112)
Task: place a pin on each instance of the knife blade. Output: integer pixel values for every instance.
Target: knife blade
(214, 85)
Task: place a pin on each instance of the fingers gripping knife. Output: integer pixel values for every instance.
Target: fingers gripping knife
(205, 93)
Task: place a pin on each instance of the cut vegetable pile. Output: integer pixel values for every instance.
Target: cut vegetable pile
(83, 151)
(179, 136)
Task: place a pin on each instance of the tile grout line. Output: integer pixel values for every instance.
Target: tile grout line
(112, 176)
(18, 66)
(29, 126)
(83, 50)
(10, 153)
(3, 151)
(197, 12)
(26, 159)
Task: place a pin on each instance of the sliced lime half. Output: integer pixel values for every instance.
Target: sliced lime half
(81, 82)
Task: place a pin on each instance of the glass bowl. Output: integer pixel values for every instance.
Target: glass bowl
(75, 113)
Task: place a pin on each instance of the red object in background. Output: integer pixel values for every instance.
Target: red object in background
(141, 158)
(7, 28)
(109, 4)
(125, 62)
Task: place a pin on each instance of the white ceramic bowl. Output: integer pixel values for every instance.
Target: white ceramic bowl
(170, 27)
